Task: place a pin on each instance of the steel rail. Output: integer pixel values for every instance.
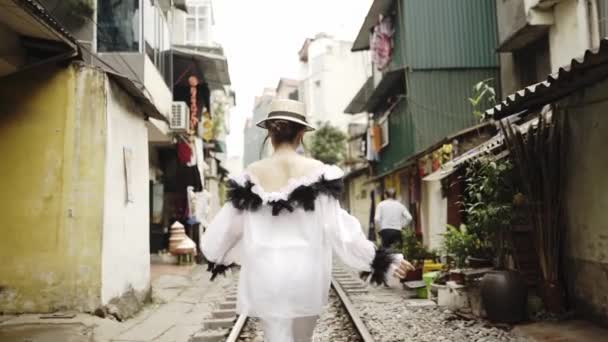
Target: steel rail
(352, 312)
(236, 330)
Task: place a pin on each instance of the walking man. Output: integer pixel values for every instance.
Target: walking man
(391, 217)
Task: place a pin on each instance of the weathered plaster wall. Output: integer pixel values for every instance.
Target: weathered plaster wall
(434, 214)
(52, 124)
(565, 35)
(125, 248)
(359, 199)
(587, 202)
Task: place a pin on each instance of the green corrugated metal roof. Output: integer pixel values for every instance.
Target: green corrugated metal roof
(449, 33)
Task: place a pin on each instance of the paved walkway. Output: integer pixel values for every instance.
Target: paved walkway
(181, 301)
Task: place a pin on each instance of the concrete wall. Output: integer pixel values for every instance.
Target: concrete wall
(565, 34)
(125, 243)
(52, 123)
(587, 203)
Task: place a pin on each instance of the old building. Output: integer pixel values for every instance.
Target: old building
(75, 177)
(329, 77)
(536, 38)
(426, 58)
(577, 92)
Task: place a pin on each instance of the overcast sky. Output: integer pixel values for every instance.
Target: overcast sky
(261, 39)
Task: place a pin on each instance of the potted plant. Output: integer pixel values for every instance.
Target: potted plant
(458, 243)
(414, 251)
(488, 205)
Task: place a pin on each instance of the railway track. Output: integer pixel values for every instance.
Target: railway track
(341, 322)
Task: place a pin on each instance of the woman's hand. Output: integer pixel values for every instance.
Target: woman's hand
(404, 267)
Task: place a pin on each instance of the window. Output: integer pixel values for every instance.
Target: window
(118, 26)
(532, 62)
(198, 24)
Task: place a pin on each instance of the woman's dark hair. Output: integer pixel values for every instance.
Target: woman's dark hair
(282, 131)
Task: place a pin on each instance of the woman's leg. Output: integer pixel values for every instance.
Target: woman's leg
(303, 328)
(277, 329)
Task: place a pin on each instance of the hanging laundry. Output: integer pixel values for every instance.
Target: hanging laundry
(184, 153)
(382, 43)
(372, 155)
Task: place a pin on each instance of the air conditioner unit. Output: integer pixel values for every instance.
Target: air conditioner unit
(180, 116)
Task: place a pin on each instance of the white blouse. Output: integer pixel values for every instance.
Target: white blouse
(284, 242)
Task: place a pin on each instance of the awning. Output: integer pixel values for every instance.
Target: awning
(392, 84)
(137, 94)
(484, 149)
(411, 160)
(357, 104)
(371, 19)
(32, 37)
(211, 67)
(582, 72)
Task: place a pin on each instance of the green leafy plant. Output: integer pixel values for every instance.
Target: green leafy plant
(459, 243)
(328, 144)
(483, 95)
(488, 206)
(413, 249)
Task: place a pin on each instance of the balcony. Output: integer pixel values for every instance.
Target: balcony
(134, 42)
(521, 22)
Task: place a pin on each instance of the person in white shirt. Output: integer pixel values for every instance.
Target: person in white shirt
(283, 223)
(391, 216)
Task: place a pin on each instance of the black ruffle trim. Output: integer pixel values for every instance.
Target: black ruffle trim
(243, 198)
(382, 261)
(218, 269)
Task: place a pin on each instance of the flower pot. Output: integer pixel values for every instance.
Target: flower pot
(504, 295)
(413, 275)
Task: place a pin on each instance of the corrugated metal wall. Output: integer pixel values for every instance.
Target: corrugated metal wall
(401, 139)
(438, 102)
(437, 106)
(398, 58)
(450, 33)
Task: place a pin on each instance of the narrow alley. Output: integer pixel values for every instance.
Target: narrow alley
(310, 171)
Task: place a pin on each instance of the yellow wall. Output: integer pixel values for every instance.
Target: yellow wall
(52, 128)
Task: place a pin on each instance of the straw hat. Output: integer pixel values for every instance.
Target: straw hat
(288, 110)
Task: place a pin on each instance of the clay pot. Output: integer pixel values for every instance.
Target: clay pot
(505, 296)
(178, 234)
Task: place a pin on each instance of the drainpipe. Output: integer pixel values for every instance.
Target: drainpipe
(594, 24)
(584, 25)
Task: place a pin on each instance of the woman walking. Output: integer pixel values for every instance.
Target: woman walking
(282, 224)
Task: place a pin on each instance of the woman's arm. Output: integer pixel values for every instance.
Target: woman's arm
(350, 244)
(220, 243)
